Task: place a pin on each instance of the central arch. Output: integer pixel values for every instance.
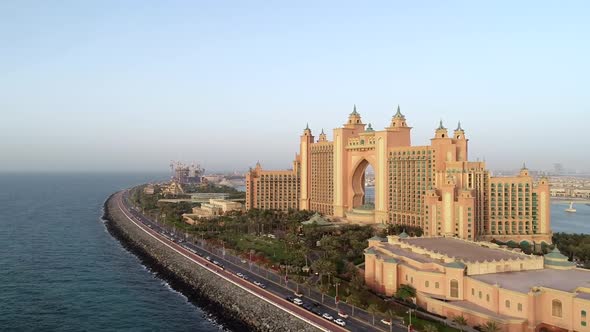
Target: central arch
(358, 184)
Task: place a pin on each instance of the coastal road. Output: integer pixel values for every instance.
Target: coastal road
(271, 294)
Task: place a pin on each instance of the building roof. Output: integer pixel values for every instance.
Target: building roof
(455, 265)
(377, 238)
(465, 251)
(317, 219)
(523, 281)
(399, 251)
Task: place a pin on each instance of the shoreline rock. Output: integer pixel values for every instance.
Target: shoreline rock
(235, 308)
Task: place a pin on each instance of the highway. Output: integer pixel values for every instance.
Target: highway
(273, 292)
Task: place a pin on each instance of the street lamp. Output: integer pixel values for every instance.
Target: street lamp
(336, 298)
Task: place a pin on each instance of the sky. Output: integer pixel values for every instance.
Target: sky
(130, 85)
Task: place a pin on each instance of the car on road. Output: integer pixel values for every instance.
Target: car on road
(298, 301)
(243, 261)
(386, 321)
(208, 258)
(340, 322)
(240, 275)
(342, 314)
(327, 316)
(298, 294)
(263, 286)
(317, 311)
(307, 306)
(257, 283)
(289, 298)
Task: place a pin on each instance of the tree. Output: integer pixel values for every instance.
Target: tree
(323, 266)
(373, 309)
(490, 326)
(405, 292)
(461, 321)
(428, 327)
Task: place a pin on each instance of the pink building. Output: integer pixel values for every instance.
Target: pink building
(482, 282)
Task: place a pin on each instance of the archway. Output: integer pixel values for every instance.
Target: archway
(364, 172)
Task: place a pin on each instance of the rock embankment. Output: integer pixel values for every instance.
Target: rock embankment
(236, 308)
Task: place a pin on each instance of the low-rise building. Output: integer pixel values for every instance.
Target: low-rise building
(482, 282)
(215, 207)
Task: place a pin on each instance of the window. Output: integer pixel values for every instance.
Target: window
(426, 283)
(488, 297)
(472, 291)
(556, 308)
(507, 304)
(454, 288)
(519, 307)
(436, 285)
(583, 313)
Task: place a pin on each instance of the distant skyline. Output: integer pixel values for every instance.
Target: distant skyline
(129, 86)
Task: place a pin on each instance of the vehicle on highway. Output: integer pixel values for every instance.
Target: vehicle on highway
(263, 286)
(340, 322)
(208, 258)
(307, 306)
(298, 294)
(243, 261)
(240, 275)
(298, 301)
(342, 314)
(257, 283)
(317, 311)
(327, 316)
(386, 321)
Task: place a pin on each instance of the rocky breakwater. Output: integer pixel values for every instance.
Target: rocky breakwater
(237, 308)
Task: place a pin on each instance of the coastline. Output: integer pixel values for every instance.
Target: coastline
(233, 307)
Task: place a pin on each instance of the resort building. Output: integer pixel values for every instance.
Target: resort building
(482, 282)
(432, 186)
(215, 207)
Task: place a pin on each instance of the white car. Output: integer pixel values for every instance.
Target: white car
(342, 314)
(297, 301)
(385, 321)
(340, 322)
(256, 283)
(327, 316)
(240, 275)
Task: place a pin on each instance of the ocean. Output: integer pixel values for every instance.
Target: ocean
(60, 270)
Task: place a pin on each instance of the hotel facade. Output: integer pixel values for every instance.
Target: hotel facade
(434, 186)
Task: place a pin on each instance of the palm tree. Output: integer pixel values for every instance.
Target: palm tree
(428, 327)
(405, 292)
(373, 309)
(490, 326)
(461, 321)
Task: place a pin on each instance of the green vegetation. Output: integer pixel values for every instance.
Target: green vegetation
(575, 246)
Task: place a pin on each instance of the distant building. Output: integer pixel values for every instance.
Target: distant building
(215, 207)
(434, 186)
(149, 189)
(173, 188)
(482, 282)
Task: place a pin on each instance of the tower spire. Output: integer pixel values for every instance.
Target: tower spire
(398, 114)
(459, 126)
(440, 125)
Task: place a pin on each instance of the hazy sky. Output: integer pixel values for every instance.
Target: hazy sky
(130, 85)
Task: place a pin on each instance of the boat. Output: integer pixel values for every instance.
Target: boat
(571, 208)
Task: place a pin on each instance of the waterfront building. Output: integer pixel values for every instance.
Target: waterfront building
(482, 282)
(433, 186)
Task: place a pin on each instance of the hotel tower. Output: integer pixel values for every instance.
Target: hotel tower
(434, 186)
